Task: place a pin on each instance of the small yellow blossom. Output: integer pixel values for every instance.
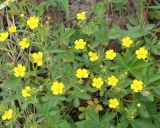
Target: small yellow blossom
(97, 82)
(81, 15)
(37, 58)
(139, 105)
(112, 81)
(21, 15)
(93, 56)
(26, 91)
(57, 88)
(141, 53)
(12, 29)
(24, 43)
(137, 85)
(110, 54)
(19, 71)
(33, 22)
(7, 114)
(3, 36)
(113, 103)
(80, 44)
(82, 73)
(127, 42)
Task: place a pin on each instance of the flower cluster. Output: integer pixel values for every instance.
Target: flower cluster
(80, 44)
(37, 58)
(127, 41)
(110, 54)
(82, 73)
(24, 43)
(12, 29)
(33, 22)
(112, 81)
(141, 53)
(97, 82)
(137, 85)
(19, 71)
(57, 88)
(113, 103)
(7, 114)
(26, 91)
(104, 71)
(93, 56)
(3, 36)
(81, 15)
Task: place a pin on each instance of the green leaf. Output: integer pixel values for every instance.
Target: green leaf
(65, 6)
(120, 60)
(140, 65)
(86, 124)
(142, 123)
(108, 117)
(123, 124)
(13, 83)
(93, 116)
(150, 97)
(157, 120)
(152, 79)
(76, 102)
(99, 9)
(144, 113)
(57, 51)
(149, 27)
(136, 74)
(84, 96)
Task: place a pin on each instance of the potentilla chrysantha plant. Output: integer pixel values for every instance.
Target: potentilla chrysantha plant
(79, 70)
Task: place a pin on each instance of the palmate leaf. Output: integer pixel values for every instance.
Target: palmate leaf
(153, 78)
(86, 124)
(142, 123)
(12, 83)
(107, 118)
(99, 9)
(140, 65)
(120, 60)
(65, 6)
(92, 121)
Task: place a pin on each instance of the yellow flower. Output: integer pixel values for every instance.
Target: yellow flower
(93, 56)
(37, 58)
(137, 85)
(79, 44)
(81, 15)
(97, 82)
(82, 73)
(7, 114)
(141, 53)
(3, 36)
(26, 91)
(110, 54)
(24, 43)
(112, 81)
(57, 88)
(19, 71)
(21, 15)
(12, 29)
(113, 103)
(33, 22)
(127, 42)
(139, 105)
